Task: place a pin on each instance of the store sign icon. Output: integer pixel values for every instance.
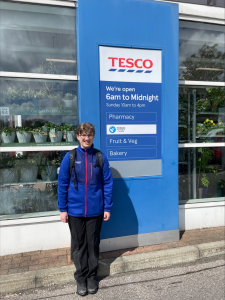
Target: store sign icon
(112, 129)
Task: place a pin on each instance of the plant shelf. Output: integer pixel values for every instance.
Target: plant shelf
(27, 183)
(208, 137)
(207, 113)
(39, 144)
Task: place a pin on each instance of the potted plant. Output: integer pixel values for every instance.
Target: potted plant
(49, 167)
(199, 128)
(8, 173)
(205, 154)
(55, 132)
(24, 134)
(205, 184)
(69, 132)
(208, 125)
(202, 105)
(40, 133)
(208, 128)
(221, 126)
(69, 100)
(216, 96)
(8, 134)
(220, 187)
(28, 167)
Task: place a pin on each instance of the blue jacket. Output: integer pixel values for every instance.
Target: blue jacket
(93, 195)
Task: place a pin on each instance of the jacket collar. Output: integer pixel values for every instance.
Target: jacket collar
(88, 150)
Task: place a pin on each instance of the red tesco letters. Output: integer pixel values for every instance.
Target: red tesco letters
(130, 63)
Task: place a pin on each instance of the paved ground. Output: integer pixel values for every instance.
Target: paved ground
(37, 260)
(203, 280)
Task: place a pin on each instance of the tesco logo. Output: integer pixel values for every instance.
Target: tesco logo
(140, 64)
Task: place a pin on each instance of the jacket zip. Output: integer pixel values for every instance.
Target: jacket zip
(91, 170)
(85, 213)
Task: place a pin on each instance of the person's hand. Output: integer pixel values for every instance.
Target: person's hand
(106, 215)
(64, 216)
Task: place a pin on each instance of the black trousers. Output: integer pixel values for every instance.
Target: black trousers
(85, 240)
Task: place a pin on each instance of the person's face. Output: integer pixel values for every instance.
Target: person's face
(86, 139)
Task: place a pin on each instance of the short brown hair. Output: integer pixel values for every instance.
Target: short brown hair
(85, 127)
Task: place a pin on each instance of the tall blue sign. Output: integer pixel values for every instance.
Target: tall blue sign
(131, 101)
(127, 57)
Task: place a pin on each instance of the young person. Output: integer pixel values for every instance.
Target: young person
(84, 201)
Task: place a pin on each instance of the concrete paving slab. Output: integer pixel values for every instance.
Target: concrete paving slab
(58, 275)
(17, 282)
(111, 266)
(62, 275)
(211, 249)
(161, 258)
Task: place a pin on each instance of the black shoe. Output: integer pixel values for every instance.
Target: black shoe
(81, 288)
(92, 286)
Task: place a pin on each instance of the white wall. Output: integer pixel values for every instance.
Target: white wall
(201, 215)
(25, 235)
(45, 233)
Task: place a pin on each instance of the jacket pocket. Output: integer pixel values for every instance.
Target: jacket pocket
(91, 170)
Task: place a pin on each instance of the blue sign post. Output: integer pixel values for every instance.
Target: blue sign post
(128, 88)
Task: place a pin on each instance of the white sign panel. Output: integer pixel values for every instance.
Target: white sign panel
(131, 129)
(130, 65)
(130, 91)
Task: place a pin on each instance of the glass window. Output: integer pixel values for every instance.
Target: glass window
(37, 112)
(201, 48)
(37, 39)
(28, 183)
(201, 114)
(201, 174)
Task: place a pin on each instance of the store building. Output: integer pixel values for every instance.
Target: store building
(43, 95)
